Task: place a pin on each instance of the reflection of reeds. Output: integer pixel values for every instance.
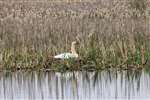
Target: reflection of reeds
(31, 32)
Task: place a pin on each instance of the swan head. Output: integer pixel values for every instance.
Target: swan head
(75, 43)
(90, 35)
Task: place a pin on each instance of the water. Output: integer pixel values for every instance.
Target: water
(75, 85)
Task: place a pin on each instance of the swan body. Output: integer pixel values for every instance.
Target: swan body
(68, 55)
(65, 56)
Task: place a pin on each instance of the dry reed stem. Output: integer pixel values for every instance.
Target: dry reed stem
(125, 52)
(50, 28)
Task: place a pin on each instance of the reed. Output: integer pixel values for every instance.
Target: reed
(32, 32)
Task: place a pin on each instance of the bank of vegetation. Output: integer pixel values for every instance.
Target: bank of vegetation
(31, 33)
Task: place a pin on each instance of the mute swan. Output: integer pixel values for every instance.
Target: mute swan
(68, 55)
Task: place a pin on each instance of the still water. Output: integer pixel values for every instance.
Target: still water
(75, 85)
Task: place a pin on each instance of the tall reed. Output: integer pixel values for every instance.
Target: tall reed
(33, 31)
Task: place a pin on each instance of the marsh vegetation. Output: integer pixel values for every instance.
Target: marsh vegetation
(32, 32)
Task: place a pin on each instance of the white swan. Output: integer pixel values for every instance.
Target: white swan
(68, 55)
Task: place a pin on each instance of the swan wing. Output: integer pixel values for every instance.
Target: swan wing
(64, 56)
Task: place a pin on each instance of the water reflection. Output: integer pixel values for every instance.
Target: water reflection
(74, 85)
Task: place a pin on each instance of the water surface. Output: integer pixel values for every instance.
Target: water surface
(75, 85)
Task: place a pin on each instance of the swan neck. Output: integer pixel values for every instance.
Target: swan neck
(73, 50)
